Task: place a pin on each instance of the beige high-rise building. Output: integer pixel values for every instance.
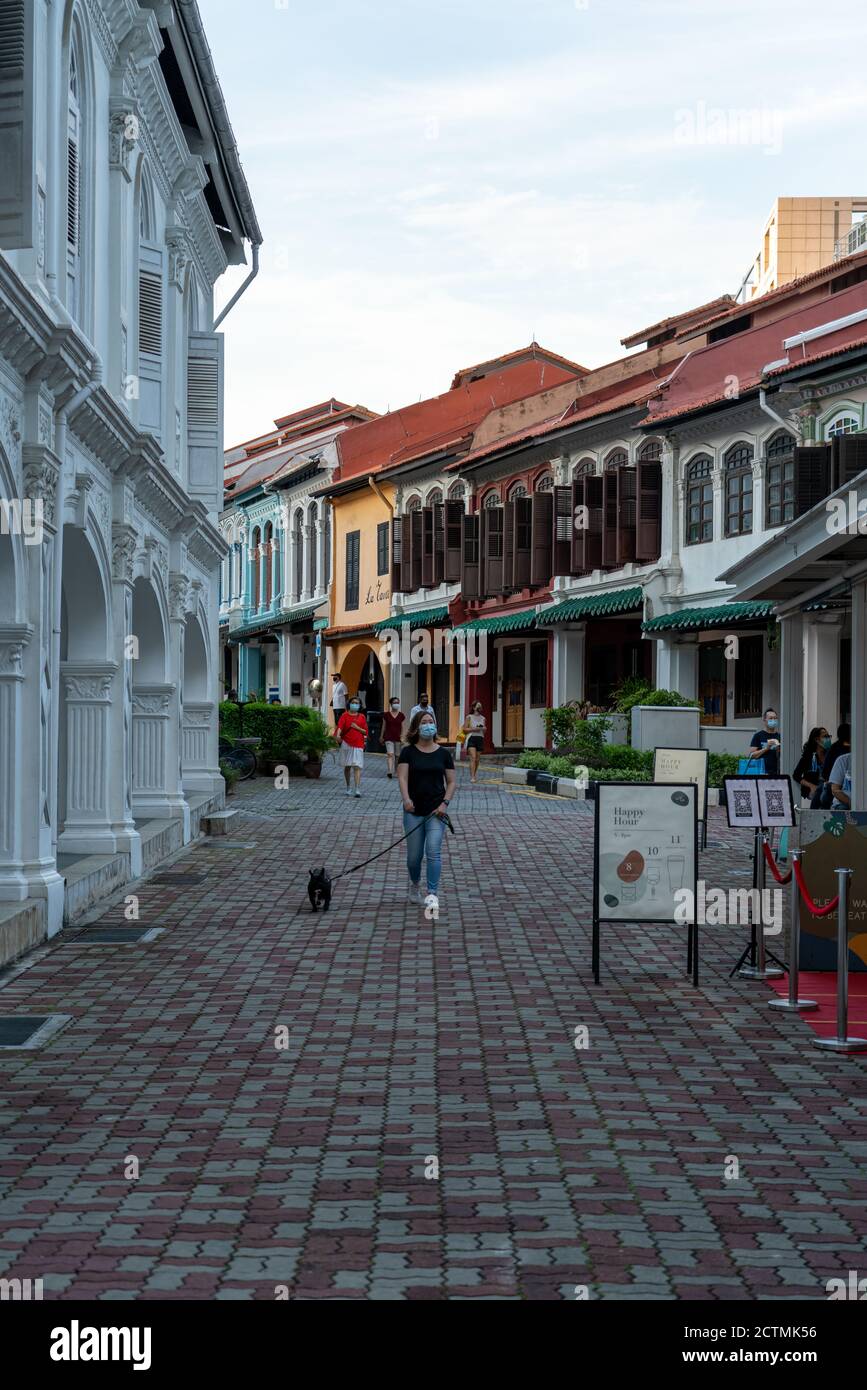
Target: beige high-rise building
(804, 234)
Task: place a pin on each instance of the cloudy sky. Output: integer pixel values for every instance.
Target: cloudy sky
(439, 181)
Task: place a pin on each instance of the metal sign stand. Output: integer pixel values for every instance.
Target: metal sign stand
(842, 1043)
(758, 968)
(793, 1004)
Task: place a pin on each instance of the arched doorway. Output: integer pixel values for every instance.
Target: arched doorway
(152, 704)
(362, 673)
(198, 710)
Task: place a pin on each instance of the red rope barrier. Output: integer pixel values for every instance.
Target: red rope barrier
(811, 906)
(772, 865)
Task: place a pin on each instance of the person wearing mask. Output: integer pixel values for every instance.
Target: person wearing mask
(423, 707)
(339, 693)
(351, 735)
(765, 745)
(392, 724)
(840, 778)
(824, 797)
(808, 773)
(426, 774)
(474, 728)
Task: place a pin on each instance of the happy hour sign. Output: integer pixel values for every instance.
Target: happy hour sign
(645, 849)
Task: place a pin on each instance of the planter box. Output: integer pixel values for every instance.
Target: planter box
(665, 726)
(517, 775)
(619, 727)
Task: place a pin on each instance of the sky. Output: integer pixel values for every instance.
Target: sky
(442, 181)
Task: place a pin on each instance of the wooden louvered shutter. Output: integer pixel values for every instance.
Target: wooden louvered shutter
(439, 543)
(73, 195)
(509, 546)
(542, 521)
(470, 555)
(454, 512)
(812, 469)
(591, 553)
(626, 515)
(561, 551)
(205, 416)
(396, 574)
(18, 90)
(427, 547)
(609, 520)
(578, 537)
(649, 533)
(150, 338)
(416, 526)
(406, 554)
(523, 542)
(850, 458)
(492, 558)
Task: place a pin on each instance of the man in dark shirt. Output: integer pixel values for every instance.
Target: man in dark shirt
(765, 745)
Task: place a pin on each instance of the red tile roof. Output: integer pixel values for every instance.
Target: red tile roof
(687, 315)
(532, 352)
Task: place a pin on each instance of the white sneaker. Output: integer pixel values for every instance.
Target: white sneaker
(357, 792)
(432, 907)
(349, 791)
(414, 892)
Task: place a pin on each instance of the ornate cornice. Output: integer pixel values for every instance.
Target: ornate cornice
(42, 478)
(13, 639)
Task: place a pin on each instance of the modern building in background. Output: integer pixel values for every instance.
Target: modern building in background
(802, 235)
(122, 202)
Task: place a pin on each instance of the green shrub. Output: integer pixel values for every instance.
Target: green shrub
(668, 697)
(274, 725)
(229, 719)
(622, 758)
(534, 760)
(309, 737)
(230, 775)
(607, 774)
(720, 765)
(631, 691)
(561, 767)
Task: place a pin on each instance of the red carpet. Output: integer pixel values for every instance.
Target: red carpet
(821, 985)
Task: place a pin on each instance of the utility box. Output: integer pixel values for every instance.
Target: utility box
(665, 726)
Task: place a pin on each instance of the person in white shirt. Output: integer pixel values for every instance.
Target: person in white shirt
(841, 783)
(474, 729)
(423, 705)
(339, 693)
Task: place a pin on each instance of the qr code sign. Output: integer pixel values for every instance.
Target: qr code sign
(775, 804)
(743, 804)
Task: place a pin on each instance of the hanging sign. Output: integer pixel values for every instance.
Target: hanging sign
(645, 857)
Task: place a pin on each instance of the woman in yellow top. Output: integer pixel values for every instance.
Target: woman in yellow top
(473, 728)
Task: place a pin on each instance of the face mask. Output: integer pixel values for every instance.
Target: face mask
(428, 730)
(772, 723)
(354, 707)
(395, 704)
(826, 742)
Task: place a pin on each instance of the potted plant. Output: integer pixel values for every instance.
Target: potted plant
(230, 777)
(310, 739)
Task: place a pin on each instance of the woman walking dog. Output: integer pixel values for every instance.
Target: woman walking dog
(426, 774)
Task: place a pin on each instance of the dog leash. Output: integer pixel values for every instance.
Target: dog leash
(389, 848)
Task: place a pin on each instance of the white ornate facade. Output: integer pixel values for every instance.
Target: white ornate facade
(111, 424)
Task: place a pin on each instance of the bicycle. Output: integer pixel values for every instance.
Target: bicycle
(239, 756)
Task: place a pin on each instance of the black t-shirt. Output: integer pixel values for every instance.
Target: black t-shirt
(427, 777)
(771, 760)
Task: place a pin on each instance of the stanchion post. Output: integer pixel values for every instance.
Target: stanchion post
(758, 968)
(843, 1043)
(793, 1003)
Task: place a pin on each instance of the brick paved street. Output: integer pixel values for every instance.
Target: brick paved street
(408, 1039)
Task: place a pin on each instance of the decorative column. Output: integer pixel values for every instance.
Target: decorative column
(179, 586)
(321, 569)
(307, 531)
(14, 637)
(86, 749)
(569, 662)
(791, 689)
(198, 715)
(822, 671)
(151, 716)
(124, 544)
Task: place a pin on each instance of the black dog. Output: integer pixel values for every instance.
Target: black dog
(319, 889)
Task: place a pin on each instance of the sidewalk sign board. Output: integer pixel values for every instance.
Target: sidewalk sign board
(759, 803)
(685, 765)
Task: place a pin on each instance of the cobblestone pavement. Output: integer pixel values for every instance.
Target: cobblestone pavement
(410, 1041)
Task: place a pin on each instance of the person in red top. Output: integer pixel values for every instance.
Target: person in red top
(351, 735)
(392, 723)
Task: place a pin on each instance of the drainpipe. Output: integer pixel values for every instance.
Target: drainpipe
(763, 403)
(241, 289)
(380, 494)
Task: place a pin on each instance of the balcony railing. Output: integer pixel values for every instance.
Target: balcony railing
(853, 241)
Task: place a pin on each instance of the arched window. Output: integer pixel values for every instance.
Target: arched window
(434, 497)
(618, 458)
(312, 514)
(492, 499)
(298, 538)
(544, 484)
(738, 470)
(780, 479)
(516, 490)
(842, 424)
(255, 565)
(651, 452)
(268, 547)
(699, 499)
(583, 468)
(457, 492)
(414, 504)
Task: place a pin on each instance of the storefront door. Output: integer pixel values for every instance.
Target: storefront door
(513, 694)
(712, 683)
(439, 697)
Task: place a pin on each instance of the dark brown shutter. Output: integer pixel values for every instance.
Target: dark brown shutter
(523, 541)
(850, 458)
(609, 520)
(812, 466)
(578, 538)
(427, 547)
(396, 568)
(509, 546)
(416, 522)
(543, 526)
(627, 489)
(492, 558)
(439, 543)
(564, 525)
(406, 553)
(454, 512)
(648, 539)
(593, 501)
(470, 555)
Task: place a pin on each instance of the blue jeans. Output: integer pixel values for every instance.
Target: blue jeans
(424, 843)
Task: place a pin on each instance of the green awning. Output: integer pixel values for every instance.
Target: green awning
(723, 615)
(503, 622)
(594, 606)
(411, 620)
(281, 618)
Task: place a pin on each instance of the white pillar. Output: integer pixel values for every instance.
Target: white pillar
(87, 689)
(13, 639)
(570, 645)
(791, 690)
(152, 711)
(127, 838)
(198, 716)
(859, 695)
(822, 671)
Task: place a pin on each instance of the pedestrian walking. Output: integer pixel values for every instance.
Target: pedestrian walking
(824, 797)
(423, 707)
(474, 729)
(426, 774)
(392, 725)
(351, 735)
(765, 745)
(339, 693)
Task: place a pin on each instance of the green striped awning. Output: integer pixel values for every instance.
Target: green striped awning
(283, 616)
(723, 615)
(604, 605)
(411, 620)
(502, 622)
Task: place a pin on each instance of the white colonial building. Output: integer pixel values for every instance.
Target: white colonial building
(122, 201)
